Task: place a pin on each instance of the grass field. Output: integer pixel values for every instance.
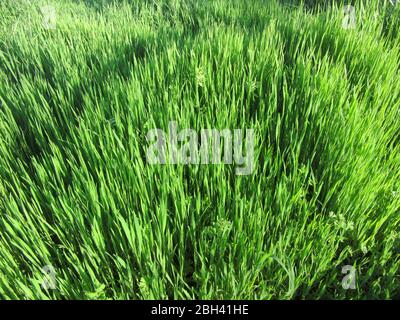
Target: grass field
(83, 215)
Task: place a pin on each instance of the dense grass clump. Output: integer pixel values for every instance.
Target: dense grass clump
(77, 194)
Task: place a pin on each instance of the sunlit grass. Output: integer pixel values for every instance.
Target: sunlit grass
(76, 192)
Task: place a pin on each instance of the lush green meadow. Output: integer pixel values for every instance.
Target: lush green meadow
(76, 191)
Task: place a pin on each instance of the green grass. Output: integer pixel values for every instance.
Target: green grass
(77, 193)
